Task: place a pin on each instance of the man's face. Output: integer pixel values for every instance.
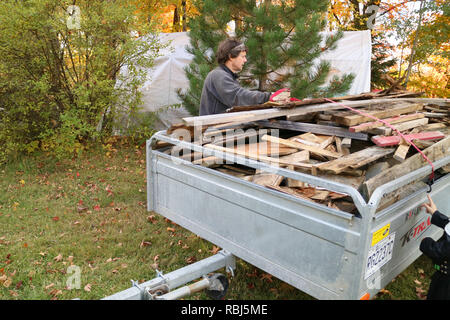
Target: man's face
(236, 64)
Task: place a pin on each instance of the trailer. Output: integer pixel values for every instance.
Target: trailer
(324, 252)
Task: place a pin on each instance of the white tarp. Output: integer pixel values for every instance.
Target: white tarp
(352, 55)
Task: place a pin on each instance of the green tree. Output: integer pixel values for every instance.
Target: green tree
(61, 74)
(280, 35)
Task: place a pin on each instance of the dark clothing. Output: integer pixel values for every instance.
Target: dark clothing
(221, 91)
(439, 253)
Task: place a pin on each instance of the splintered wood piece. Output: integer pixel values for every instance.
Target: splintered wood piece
(437, 151)
(301, 146)
(352, 119)
(355, 160)
(401, 152)
(267, 179)
(346, 143)
(292, 183)
(374, 124)
(290, 191)
(384, 141)
(340, 147)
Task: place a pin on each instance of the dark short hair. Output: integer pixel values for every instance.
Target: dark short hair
(229, 48)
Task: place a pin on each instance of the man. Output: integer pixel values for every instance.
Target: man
(439, 253)
(221, 89)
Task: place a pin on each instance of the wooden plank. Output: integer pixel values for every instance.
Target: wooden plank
(386, 131)
(352, 119)
(355, 160)
(374, 124)
(258, 157)
(410, 124)
(435, 152)
(300, 156)
(267, 179)
(301, 146)
(248, 116)
(313, 128)
(385, 141)
(266, 149)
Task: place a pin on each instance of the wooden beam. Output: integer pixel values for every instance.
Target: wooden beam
(374, 124)
(354, 160)
(301, 146)
(433, 153)
(313, 128)
(385, 131)
(384, 141)
(235, 117)
(352, 119)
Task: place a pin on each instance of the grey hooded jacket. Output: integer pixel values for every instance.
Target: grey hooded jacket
(221, 91)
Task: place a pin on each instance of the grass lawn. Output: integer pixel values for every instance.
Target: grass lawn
(80, 229)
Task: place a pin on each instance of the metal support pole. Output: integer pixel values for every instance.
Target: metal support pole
(177, 278)
(186, 290)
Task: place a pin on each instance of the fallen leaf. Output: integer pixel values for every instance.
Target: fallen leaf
(384, 291)
(144, 244)
(170, 229)
(87, 287)
(266, 276)
(80, 208)
(215, 250)
(96, 207)
(19, 284)
(13, 293)
(417, 282)
(49, 286)
(151, 219)
(7, 282)
(55, 218)
(55, 292)
(58, 258)
(191, 259)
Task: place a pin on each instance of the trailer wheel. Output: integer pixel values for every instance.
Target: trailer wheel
(219, 286)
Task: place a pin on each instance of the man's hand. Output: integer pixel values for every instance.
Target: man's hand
(430, 206)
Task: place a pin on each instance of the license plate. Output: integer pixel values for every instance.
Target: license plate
(379, 255)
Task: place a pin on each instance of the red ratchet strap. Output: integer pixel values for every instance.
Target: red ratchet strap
(431, 178)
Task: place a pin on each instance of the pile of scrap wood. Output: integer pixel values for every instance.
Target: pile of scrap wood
(328, 140)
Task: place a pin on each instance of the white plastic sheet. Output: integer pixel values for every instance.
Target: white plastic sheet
(352, 55)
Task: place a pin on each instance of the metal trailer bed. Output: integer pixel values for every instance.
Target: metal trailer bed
(327, 253)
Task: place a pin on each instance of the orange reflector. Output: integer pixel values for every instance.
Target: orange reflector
(365, 297)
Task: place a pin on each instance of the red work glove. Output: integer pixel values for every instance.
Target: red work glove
(281, 95)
